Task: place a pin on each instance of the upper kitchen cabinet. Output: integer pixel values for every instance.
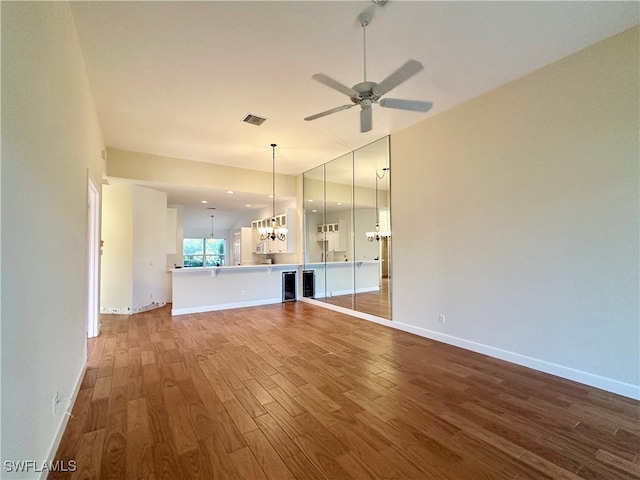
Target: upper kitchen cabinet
(288, 220)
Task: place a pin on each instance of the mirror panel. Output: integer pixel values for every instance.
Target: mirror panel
(314, 215)
(347, 230)
(371, 208)
(338, 225)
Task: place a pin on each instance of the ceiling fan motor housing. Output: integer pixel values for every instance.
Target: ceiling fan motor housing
(365, 92)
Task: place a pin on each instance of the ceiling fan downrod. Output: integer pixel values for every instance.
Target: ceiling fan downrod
(364, 49)
(364, 19)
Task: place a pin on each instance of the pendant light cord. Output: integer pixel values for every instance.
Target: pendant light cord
(377, 214)
(384, 172)
(273, 185)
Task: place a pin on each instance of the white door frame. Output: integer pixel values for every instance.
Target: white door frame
(93, 260)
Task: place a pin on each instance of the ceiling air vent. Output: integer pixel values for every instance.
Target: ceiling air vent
(253, 119)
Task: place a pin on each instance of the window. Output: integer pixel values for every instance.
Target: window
(207, 252)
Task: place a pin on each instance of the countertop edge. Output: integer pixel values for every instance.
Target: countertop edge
(267, 266)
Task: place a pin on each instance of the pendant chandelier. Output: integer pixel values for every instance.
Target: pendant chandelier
(377, 234)
(274, 230)
(212, 237)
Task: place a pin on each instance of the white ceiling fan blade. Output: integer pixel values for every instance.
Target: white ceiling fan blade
(365, 120)
(405, 72)
(329, 112)
(336, 85)
(413, 105)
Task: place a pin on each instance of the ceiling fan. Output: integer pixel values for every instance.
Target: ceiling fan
(367, 93)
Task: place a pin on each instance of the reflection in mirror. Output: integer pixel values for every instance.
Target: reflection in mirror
(371, 167)
(347, 231)
(338, 226)
(313, 276)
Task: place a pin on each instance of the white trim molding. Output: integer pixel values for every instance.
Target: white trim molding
(224, 306)
(569, 373)
(65, 407)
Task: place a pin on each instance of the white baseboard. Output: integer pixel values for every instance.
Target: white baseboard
(569, 373)
(147, 307)
(337, 293)
(131, 310)
(224, 306)
(348, 311)
(68, 405)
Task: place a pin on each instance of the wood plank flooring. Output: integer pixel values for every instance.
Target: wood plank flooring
(294, 391)
(374, 303)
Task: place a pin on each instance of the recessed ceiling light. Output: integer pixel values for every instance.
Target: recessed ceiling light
(270, 196)
(229, 192)
(310, 200)
(203, 201)
(314, 210)
(339, 204)
(247, 204)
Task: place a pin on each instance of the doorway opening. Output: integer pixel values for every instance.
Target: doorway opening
(93, 264)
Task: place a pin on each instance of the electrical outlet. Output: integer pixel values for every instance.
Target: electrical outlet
(442, 319)
(244, 292)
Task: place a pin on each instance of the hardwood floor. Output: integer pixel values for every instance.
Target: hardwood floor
(294, 391)
(374, 303)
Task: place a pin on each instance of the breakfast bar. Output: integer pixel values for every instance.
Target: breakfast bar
(206, 289)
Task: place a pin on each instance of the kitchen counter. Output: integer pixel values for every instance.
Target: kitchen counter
(336, 264)
(344, 278)
(234, 267)
(273, 265)
(206, 289)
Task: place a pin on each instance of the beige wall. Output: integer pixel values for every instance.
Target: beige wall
(134, 272)
(51, 143)
(116, 290)
(515, 215)
(175, 171)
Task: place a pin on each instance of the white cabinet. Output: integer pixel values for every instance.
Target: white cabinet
(333, 237)
(274, 246)
(255, 236)
(287, 220)
(333, 234)
(242, 246)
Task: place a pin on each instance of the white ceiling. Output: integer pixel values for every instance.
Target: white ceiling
(176, 78)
